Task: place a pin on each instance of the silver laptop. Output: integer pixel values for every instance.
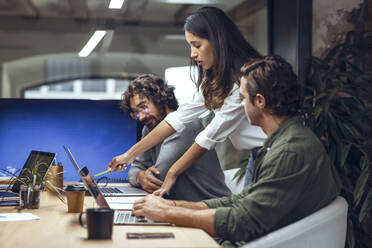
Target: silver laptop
(11, 197)
(120, 217)
(109, 190)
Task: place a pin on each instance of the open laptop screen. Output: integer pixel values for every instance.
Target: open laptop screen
(92, 186)
(36, 158)
(88, 181)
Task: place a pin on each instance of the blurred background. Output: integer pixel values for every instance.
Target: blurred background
(42, 56)
(40, 41)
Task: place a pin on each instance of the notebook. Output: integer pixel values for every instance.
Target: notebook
(12, 197)
(120, 217)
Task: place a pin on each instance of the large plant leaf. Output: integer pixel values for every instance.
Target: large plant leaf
(331, 54)
(362, 180)
(318, 110)
(350, 237)
(347, 185)
(333, 128)
(366, 207)
(239, 175)
(344, 153)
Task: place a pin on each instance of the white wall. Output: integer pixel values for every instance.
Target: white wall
(179, 77)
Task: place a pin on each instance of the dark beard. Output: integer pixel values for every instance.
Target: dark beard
(157, 121)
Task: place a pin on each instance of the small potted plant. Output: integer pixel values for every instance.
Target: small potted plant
(28, 184)
(30, 180)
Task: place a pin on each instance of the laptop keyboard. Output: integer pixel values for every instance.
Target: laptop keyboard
(109, 190)
(122, 217)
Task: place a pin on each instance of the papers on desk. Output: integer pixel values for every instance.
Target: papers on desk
(5, 180)
(17, 216)
(123, 203)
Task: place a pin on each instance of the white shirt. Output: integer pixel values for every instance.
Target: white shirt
(229, 121)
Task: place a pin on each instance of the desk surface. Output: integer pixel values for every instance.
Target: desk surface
(57, 228)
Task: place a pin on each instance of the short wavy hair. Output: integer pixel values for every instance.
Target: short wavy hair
(273, 77)
(152, 87)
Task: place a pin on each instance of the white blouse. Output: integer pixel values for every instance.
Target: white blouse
(229, 121)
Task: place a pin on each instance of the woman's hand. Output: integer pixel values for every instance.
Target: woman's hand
(169, 181)
(120, 163)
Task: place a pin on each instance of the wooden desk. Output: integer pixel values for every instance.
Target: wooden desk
(57, 228)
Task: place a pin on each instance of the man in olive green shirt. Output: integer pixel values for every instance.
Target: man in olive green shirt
(293, 176)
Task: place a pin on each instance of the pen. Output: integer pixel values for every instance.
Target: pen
(101, 173)
(104, 172)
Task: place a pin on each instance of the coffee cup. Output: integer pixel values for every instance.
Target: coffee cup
(99, 222)
(75, 198)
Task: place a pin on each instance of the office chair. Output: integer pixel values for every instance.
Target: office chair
(326, 228)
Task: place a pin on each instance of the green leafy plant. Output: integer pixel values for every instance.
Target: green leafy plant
(240, 174)
(32, 177)
(335, 108)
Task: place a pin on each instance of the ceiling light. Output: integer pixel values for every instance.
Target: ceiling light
(190, 1)
(116, 4)
(175, 37)
(92, 43)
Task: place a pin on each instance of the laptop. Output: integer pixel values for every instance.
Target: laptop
(11, 197)
(120, 217)
(109, 190)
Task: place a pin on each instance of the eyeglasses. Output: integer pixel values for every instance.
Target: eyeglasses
(142, 108)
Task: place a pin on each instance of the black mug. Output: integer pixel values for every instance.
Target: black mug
(99, 222)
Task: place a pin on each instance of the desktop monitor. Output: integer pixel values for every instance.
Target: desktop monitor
(96, 130)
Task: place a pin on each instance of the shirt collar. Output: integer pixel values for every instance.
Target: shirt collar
(280, 129)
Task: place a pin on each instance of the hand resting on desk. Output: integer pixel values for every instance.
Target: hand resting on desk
(181, 213)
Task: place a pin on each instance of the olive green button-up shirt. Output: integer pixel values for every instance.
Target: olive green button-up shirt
(293, 178)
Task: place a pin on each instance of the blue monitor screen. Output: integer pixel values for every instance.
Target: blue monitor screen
(94, 130)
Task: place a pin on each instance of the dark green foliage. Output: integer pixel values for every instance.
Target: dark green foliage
(240, 174)
(337, 91)
(335, 97)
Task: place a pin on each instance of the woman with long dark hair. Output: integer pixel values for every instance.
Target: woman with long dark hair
(218, 50)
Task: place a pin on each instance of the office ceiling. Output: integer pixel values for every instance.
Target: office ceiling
(135, 11)
(34, 28)
(26, 24)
